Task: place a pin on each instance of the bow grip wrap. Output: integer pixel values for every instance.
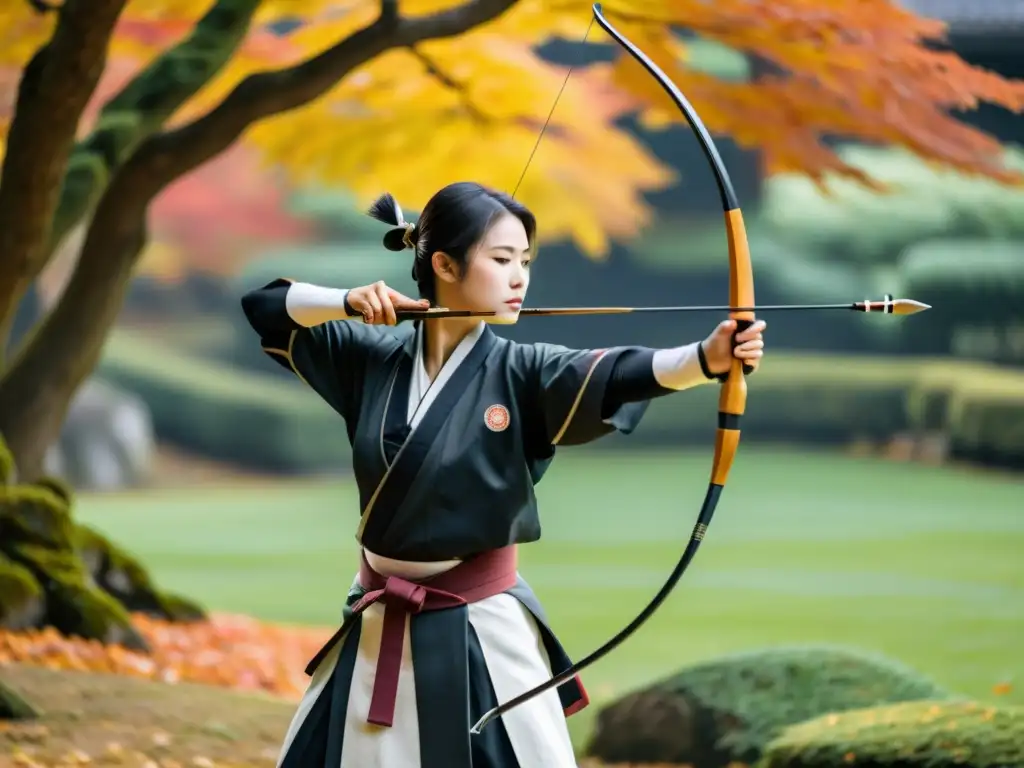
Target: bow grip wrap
(742, 325)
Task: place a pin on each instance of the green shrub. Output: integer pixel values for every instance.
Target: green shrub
(938, 380)
(728, 709)
(976, 289)
(986, 420)
(979, 407)
(834, 399)
(929, 734)
(854, 223)
(220, 412)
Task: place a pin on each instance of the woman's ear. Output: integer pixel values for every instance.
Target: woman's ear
(444, 267)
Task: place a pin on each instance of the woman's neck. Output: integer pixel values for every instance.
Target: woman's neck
(440, 338)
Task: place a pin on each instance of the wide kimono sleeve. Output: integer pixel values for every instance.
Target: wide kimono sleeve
(331, 358)
(570, 402)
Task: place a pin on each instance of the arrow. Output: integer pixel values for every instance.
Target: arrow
(887, 306)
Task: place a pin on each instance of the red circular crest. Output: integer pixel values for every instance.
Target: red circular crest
(496, 418)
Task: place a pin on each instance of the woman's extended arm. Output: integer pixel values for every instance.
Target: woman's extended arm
(644, 374)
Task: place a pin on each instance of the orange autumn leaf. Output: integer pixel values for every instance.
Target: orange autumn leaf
(227, 651)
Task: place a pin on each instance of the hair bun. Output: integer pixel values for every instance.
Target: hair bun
(400, 238)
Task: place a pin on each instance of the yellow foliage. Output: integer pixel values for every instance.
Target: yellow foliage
(22, 31)
(410, 122)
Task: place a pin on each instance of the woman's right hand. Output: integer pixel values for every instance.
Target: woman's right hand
(377, 303)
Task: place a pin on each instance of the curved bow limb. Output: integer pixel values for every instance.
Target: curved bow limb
(732, 401)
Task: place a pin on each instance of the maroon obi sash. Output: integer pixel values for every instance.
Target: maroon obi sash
(483, 576)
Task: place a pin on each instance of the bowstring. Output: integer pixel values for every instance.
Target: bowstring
(551, 113)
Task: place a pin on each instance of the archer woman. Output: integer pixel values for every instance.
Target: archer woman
(451, 428)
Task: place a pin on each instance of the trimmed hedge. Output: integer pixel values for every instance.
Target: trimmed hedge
(976, 289)
(834, 399)
(986, 420)
(728, 709)
(218, 411)
(929, 734)
(800, 398)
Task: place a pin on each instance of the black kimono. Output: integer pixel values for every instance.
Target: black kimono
(446, 472)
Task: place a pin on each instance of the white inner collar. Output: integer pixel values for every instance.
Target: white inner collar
(423, 392)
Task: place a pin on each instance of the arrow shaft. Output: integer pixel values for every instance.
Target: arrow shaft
(722, 308)
(887, 306)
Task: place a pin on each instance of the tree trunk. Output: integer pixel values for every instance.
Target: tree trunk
(55, 87)
(36, 392)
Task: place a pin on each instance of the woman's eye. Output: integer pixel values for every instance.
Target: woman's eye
(502, 259)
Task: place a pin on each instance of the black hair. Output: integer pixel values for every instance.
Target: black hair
(453, 221)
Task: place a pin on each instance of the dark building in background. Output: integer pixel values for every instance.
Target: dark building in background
(989, 34)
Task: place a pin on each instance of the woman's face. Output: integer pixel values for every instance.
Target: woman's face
(497, 274)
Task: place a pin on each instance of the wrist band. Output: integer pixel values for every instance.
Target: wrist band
(722, 377)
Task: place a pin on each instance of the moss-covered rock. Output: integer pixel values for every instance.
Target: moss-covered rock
(125, 579)
(74, 605)
(726, 710)
(181, 609)
(57, 487)
(7, 469)
(22, 603)
(56, 573)
(925, 734)
(35, 515)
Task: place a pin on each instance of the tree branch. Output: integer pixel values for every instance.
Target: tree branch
(166, 156)
(435, 71)
(42, 7)
(144, 105)
(55, 87)
(66, 347)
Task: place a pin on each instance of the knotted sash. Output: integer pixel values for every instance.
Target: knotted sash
(478, 578)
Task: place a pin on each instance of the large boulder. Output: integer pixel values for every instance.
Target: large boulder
(726, 710)
(107, 441)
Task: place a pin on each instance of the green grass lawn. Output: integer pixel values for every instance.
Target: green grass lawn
(923, 564)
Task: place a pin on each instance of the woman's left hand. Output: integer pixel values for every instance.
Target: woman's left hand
(719, 350)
